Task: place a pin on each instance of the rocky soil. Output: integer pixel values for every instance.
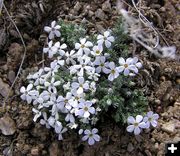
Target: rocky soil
(160, 78)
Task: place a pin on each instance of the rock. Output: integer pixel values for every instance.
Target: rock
(11, 76)
(106, 6)
(35, 151)
(7, 125)
(130, 147)
(7, 151)
(3, 38)
(53, 149)
(4, 88)
(77, 7)
(168, 127)
(100, 14)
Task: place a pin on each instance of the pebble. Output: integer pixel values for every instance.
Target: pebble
(100, 14)
(7, 125)
(35, 151)
(168, 127)
(11, 76)
(106, 6)
(4, 88)
(130, 147)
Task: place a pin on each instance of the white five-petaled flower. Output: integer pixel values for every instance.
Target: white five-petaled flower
(83, 47)
(92, 136)
(113, 71)
(37, 114)
(105, 38)
(58, 48)
(100, 61)
(85, 109)
(28, 94)
(151, 119)
(80, 85)
(97, 50)
(51, 52)
(126, 66)
(70, 56)
(53, 30)
(136, 124)
(83, 66)
(52, 85)
(65, 103)
(44, 121)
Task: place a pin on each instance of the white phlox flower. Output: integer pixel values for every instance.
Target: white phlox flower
(85, 109)
(28, 94)
(37, 114)
(52, 85)
(49, 50)
(83, 47)
(113, 71)
(70, 118)
(44, 121)
(151, 119)
(53, 30)
(126, 66)
(105, 38)
(58, 48)
(136, 124)
(91, 136)
(80, 85)
(82, 67)
(97, 50)
(100, 61)
(70, 57)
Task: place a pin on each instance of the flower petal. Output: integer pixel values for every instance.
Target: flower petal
(88, 44)
(154, 123)
(94, 130)
(131, 120)
(137, 131)
(84, 138)
(91, 141)
(96, 137)
(126, 71)
(106, 33)
(111, 39)
(139, 118)
(130, 128)
(107, 43)
(121, 61)
(155, 116)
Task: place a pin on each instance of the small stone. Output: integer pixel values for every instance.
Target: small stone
(168, 127)
(35, 151)
(130, 147)
(4, 88)
(156, 145)
(11, 76)
(106, 6)
(7, 125)
(100, 14)
(53, 149)
(77, 7)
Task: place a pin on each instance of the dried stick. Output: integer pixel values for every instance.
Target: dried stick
(22, 61)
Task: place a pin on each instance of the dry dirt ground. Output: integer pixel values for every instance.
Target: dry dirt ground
(160, 78)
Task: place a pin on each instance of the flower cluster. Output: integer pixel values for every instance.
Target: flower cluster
(139, 123)
(63, 94)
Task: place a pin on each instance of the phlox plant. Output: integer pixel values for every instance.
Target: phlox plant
(83, 82)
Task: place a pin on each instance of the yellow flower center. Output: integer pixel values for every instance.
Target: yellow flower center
(102, 64)
(125, 65)
(97, 52)
(113, 71)
(136, 124)
(82, 45)
(85, 109)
